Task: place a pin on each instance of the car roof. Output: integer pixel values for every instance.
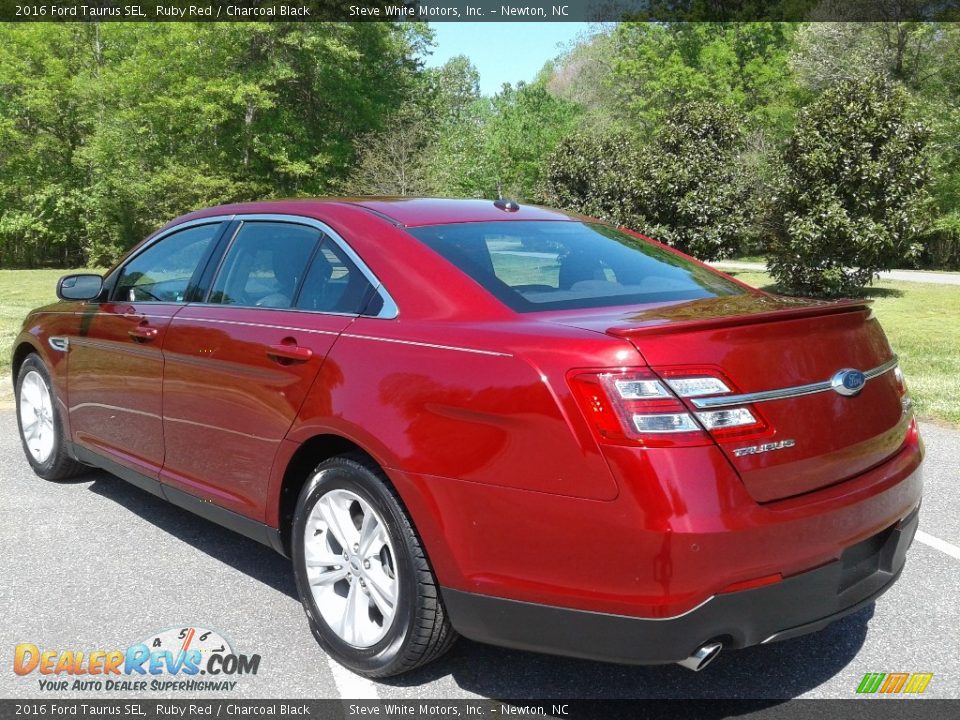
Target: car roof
(413, 212)
(401, 211)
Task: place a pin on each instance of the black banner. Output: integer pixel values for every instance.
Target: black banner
(141, 709)
(477, 10)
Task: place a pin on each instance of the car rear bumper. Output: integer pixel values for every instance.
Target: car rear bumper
(797, 605)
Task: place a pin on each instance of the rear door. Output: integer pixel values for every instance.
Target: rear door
(239, 364)
(116, 363)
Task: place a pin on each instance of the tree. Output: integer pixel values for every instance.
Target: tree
(396, 159)
(503, 142)
(108, 130)
(599, 174)
(391, 161)
(829, 52)
(852, 196)
(657, 66)
(42, 130)
(685, 188)
(449, 91)
(582, 75)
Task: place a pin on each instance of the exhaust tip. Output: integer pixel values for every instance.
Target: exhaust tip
(702, 656)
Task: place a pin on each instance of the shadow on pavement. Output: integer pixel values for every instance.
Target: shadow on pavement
(776, 672)
(249, 557)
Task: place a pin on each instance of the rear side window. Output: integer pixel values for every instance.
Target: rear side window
(557, 265)
(265, 265)
(335, 285)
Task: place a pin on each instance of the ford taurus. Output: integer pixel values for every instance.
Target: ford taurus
(477, 418)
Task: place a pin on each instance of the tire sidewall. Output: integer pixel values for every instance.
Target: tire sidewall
(46, 468)
(342, 474)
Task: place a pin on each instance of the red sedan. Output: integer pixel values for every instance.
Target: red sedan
(510, 423)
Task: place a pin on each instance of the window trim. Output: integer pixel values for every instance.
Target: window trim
(222, 261)
(389, 311)
(113, 278)
(368, 295)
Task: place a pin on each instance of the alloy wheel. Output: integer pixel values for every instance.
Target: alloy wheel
(36, 416)
(351, 567)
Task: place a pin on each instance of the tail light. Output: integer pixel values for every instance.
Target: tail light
(905, 400)
(640, 407)
(723, 423)
(635, 408)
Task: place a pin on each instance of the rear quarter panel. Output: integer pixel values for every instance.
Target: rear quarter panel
(480, 404)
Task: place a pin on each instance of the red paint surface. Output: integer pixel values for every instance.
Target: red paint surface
(467, 407)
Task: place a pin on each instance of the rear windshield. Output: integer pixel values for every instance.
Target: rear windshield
(558, 265)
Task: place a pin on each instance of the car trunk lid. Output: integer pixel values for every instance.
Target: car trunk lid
(790, 350)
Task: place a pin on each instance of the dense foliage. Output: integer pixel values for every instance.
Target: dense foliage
(852, 195)
(684, 188)
(705, 135)
(107, 131)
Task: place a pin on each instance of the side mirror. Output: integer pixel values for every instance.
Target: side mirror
(84, 286)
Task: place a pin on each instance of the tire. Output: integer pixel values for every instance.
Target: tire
(351, 489)
(39, 411)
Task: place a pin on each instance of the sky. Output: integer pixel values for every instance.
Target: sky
(503, 52)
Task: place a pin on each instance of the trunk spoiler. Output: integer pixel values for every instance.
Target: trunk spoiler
(666, 320)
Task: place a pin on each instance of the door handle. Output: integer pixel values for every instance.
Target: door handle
(285, 353)
(143, 333)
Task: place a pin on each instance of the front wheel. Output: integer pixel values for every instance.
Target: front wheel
(364, 580)
(38, 417)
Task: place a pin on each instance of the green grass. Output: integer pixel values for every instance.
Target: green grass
(922, 322)
(20, 292)
(526, 269)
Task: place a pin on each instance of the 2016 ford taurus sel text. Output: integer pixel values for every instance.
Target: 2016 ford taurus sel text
(475, 418)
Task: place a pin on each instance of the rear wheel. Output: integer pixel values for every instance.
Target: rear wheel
(38, 417)
(364, 580)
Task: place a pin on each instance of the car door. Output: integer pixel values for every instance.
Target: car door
(115, 367)
(239, 365)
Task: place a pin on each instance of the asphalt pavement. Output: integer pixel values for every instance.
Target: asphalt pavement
(97, 564)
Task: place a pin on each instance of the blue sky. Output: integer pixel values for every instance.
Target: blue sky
(503, 52)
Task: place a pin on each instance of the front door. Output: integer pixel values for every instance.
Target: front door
(115, 367)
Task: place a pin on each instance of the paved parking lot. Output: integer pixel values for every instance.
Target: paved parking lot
(96, 563)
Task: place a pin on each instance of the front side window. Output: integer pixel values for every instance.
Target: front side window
(162, 272)
(265, 265)
(558, 265)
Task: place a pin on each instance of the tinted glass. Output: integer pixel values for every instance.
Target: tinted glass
(553, 265)
(334, 284)
(162, 272)
(265, 264)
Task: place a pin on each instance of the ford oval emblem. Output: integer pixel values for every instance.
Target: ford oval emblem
(848, 382)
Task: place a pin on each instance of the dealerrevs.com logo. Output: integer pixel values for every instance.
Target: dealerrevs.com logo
(894, 683)
(186, 659)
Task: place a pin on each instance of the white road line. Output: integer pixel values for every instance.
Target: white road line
(350, 685)
(941, 545)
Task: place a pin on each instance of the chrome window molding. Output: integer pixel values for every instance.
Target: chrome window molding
(389, 311)
(784, 393)
(161, 234)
